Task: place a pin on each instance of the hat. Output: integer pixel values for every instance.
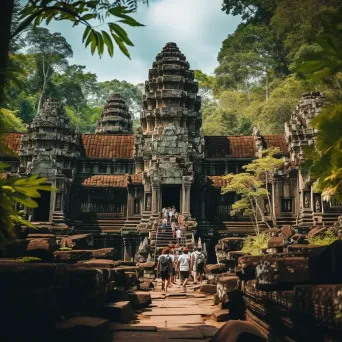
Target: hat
(185, 249)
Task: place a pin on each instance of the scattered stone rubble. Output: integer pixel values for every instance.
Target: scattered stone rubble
(291, 292)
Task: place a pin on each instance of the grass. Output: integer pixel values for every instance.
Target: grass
(254, 243)
(324, 239)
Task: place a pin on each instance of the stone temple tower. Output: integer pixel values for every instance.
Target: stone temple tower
(115, 117)
(170, 137)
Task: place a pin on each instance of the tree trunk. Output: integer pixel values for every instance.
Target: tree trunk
(267, 91)
(273, 216)
(6, 11)
(261, 213)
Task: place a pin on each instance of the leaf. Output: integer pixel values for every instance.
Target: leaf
(90, 38)
(18, 219)
(89, 16)
(30, 203)
(121, 45)
(85, 34)
(100, 43)
(131, 22)
(24, 24)
(108, 41)
(3, 165)
(121, 33)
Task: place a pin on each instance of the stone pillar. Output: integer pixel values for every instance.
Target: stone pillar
(155, 198)
(130, 204)
(127, 250)
(186, 187)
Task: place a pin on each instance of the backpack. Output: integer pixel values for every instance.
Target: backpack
(164, 263)
(200, 260)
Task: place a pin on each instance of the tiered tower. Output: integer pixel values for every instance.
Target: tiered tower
(51, 143)
(115, 117)
(170, 136)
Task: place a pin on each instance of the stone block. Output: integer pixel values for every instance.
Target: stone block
(83, 329)
(216, 268)
(121, 312)
(79, 241)
(146, 286)
(72, 256)
(208, 289)
(40, 248)
(42, 236)
(139, 300)
(117, 295)
(151, 265)
(99, 263)
(221, 315)
(281, 273)
(325, 264)
(287, 231)
(301, 249)
(103, 253)
(275, 242)
(216, 299)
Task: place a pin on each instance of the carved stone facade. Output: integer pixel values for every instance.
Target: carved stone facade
(115, 117)
(114, 184)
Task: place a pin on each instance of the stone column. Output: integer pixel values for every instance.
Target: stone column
(127, 250)
(186, 186)
(155, 198)
(130, 203)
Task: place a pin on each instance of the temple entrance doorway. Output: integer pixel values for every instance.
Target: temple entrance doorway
(42, 213)
(171, 196)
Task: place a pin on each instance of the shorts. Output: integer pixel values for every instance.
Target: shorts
(200, 269)
(184, 275)
(164, 275)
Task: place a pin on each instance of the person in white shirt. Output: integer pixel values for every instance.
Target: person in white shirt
(172, 268)
(198, 265)
(184, 266)
(178, 236)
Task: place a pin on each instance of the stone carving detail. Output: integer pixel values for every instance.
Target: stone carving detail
(298, 131)
(115, 117)
(51, 143)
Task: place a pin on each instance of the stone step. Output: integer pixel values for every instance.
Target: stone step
(121, 312)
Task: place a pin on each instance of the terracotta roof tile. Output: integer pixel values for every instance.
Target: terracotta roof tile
(112, 181)
(218, 181)
(230, 147)
(12, 142)
(276, 140)
(108, 146)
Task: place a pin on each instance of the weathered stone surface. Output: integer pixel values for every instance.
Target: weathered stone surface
(146, 286)
(225, 285)
(79, 241)
(139, 299)
(302, 249)
(221, 315)
(151, 265)
(99, 263)
(121, 312)
(236, 331)
(42, 236)
(72, 256)
(207, 288)
(40, 248)
(275, 242)
(281, 273)
(216, 299)
(325, 264)
(103, 253)
(216, 268)
(287, 231)
(83, 329)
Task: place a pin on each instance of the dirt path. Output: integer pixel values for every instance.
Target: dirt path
(176, 316)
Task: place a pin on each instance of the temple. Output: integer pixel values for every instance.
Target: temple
(113, 184)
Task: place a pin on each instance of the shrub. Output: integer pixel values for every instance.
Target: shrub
(324, 239)
(254, 243)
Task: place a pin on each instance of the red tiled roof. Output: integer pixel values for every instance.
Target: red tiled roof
(230, 147)
(112, 181)
(218, 181)
(108, 146)
(12, 142)
(276, 140)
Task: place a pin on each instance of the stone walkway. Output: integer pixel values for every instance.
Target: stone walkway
(176, 316)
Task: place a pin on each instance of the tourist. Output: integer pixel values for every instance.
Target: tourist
(173, 228)
(164, 224)
(198, 264)
(163, 268)
(165, 213)
(178, 236)
(172, 269)
(175, 268)
(170, 214)
(184, 266)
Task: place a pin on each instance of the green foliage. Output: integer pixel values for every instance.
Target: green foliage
(65, 249)
(254, 243)
(17, 190)
(83, 13)
(29, 259)
(277, 40)
(11, 121)
(324, 239)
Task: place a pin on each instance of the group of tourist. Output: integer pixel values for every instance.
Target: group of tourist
(178, 263)
(176, 220)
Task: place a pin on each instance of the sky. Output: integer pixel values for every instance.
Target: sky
(198, 27)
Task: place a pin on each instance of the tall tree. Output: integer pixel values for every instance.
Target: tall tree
(51, 52)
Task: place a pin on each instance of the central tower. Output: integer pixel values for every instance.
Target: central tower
(170, 136)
